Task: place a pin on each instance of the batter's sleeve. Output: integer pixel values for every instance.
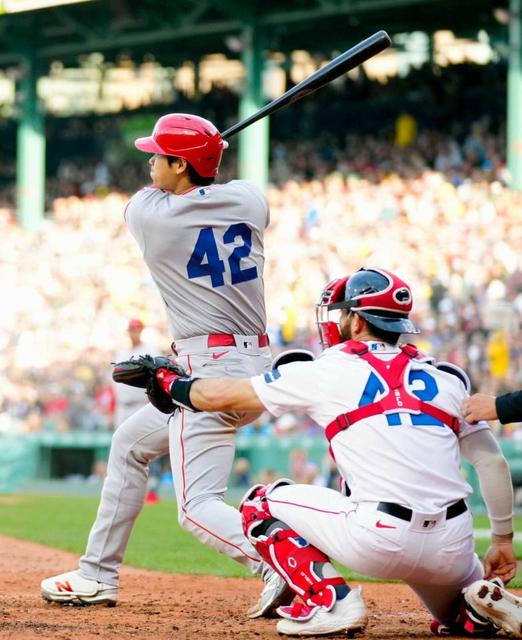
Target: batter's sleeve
(144, 209)
(134, 213)
(255, 192)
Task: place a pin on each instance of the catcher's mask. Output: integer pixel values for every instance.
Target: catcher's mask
(184, 135)
(378, 296)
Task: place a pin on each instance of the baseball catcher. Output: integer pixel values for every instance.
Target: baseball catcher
(392, 418)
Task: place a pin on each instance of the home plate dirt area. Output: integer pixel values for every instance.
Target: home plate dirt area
(157, 606)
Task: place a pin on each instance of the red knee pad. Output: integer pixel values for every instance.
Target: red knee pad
(294, 558)
(253, 509)
(285, 550)
(254, 506)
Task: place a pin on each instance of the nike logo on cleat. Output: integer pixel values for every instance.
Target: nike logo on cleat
(216, 356)
(380, 525)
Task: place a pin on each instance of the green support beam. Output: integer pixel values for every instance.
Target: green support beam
(30, 151)
(253, 141)
(514, 110)
(197, 78)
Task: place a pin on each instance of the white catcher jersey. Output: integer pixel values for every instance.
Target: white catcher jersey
(204, 249)
(413, 460)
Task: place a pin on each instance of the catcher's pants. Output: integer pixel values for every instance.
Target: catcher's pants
(202, 448)
(436, 559)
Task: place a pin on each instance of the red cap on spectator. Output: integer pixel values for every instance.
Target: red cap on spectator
(135, 323)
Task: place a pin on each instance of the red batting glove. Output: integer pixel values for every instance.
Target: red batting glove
(165, 379)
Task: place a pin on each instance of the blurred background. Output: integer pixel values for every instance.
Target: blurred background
(412, 162)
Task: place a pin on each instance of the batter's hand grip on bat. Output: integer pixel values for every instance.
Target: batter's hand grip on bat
(350, 59)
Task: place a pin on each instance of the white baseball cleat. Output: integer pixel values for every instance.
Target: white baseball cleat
(71, 588)
(347, 616)
(497, 605)
(276, 593)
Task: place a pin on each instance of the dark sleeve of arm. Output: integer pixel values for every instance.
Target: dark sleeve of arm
(509, 407)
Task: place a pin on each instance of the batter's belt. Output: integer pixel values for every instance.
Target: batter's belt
(202, 343)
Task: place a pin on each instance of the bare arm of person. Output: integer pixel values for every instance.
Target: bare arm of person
(225, 394)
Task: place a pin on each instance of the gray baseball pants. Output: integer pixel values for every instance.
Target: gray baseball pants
(202, 448)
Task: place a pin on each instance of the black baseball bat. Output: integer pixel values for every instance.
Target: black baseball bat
(350, 59)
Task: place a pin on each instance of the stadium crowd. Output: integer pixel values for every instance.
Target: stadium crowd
(81, 278)
(428, 203)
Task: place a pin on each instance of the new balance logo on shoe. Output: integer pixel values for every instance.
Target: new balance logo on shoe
(72, 588)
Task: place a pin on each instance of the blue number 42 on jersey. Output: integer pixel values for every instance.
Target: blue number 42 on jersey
(205, 259)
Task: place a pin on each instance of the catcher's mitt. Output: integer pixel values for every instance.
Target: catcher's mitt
(141, 372)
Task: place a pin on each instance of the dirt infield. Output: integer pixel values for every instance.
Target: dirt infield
(159, 606)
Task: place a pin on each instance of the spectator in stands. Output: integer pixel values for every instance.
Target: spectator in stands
(131, 399)
(477, 263)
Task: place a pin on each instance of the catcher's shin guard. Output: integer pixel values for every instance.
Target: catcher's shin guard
(305, 569)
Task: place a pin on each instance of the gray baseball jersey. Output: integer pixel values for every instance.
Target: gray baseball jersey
(204, 249)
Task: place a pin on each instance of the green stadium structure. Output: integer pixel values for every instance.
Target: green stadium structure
(41, 457)
(173, 30)
(191, 29)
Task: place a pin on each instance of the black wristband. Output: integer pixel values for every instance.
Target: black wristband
(180, 392)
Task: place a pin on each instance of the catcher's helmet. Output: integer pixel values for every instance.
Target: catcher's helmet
(378, 296)
(186, 136)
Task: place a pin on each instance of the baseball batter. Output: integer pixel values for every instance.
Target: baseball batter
(393, 420)
(203, 244)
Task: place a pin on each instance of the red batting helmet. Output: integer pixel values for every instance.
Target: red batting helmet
(192, 138)
(378, 296)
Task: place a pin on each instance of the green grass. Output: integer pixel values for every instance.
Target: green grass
(157, 541)
(482, 522)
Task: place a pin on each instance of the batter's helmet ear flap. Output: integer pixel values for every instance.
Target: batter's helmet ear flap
(186, 136)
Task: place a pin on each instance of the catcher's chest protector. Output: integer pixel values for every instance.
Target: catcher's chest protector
(397, 399)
